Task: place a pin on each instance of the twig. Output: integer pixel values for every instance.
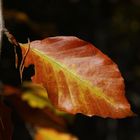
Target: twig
(1, 26)
(10, 37)
(13, 41)
(18, 65)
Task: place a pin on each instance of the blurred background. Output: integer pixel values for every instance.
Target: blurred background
(113, 26)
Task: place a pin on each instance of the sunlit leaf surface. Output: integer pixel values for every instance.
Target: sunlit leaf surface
(78, 77)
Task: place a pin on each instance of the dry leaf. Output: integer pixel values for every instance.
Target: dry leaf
(38, 117)
(78, 77)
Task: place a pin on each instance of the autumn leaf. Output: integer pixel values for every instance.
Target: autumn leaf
(5, 122)
(52, 134)
(38, 117)
(78, 77)
(35, 95)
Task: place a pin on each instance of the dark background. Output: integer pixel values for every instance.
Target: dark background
(113, 26)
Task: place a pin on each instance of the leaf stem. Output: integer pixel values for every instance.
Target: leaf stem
(21, 68)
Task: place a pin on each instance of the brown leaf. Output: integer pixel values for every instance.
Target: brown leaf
(5, 122)
(78, 77)
(9, 90)
(38, 117)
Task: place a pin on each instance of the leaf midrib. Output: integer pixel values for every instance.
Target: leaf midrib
(83, 82)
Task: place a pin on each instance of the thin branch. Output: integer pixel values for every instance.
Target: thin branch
(10, 37)
(1, 25)
(13, 41)
(19, 62)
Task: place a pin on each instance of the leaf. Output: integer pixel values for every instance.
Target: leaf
(8, 90)
(78, 77)
(5, 122)
(52, 134)
(35, 95)
(38, 117)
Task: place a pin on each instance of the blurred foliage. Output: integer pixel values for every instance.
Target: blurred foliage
(52, 134)
(35, 95)
(112, 25)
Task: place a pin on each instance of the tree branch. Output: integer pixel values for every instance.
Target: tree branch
(1, 25)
